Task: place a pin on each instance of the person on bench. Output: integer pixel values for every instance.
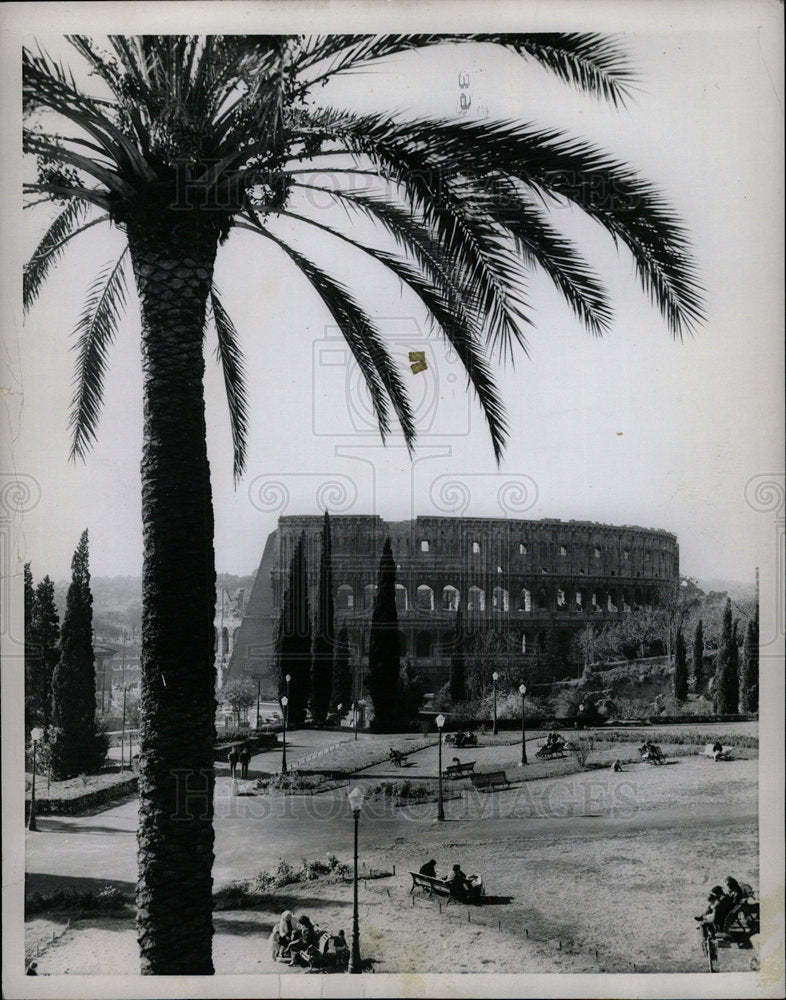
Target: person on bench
(463, 887)
(430, 869)
(719, 906)
(740, 894)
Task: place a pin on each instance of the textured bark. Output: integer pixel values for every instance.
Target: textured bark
(173, 254)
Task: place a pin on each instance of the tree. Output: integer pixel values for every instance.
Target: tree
(48, 633)
(176, 141)
(383, 649)
(698, 657)
(33, 657)
(77, 743)
(749, 681)
(293, 639)
(324, 641)
(727, 667)
(410, 696)
(342, 672)
(240, 695)
(680, 668)
(675, 601)
(458, 691)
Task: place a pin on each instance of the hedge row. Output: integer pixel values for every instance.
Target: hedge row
(82, 803)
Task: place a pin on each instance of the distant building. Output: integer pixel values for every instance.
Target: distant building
(229, 616)
(512, 575)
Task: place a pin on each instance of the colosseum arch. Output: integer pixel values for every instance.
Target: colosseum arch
(450, 598)
(345, 598)
(500, 599)
(476, 599)
(369, 596)
(562, 598)
(402, 602)
(525, 600)
(403, 644)
(424, 598)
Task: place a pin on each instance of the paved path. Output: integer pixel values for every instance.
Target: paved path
(253, 832)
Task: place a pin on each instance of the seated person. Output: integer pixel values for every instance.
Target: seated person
(430, 869)
(717, 751)
(304, 937)
(340, 950)
(282, 933)
(738, 891)
(741, 894)
(455, 762)
(719, 906)
(617, 765)
(464, 887)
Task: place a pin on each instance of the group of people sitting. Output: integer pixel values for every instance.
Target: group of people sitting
(302, 943)
(554, 739)
(722, 901)
(462, 887)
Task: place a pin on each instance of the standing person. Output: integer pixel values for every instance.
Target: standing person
(244, 758)
(233, 759)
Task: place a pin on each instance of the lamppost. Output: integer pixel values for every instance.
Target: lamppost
(356, 801)
(356, 719)
(338, 712)
(523, 690)
(581, 715)
(495, 678)
(259, 683)
(284, 703)
(35, 735)
(123, 735)
(440, 720)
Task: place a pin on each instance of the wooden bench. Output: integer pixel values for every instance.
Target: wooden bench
(433, 886)
(459, 770)
(724, 754)
(490, 780)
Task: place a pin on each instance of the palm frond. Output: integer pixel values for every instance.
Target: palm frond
(364, 340)
(550, 164)
(451, 317)
(50, 248)
(95, 333)
(592, 62)
(230, 356)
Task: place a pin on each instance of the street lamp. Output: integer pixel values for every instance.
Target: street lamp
(356, 801)
(356, 720)
(338, 712)
(440, 720)
(284, 703)
(495, 678)
(35, 735)
(523, 690)
(581, 713)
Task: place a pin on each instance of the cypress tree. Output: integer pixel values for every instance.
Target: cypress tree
(293, 639)
(680, 668)
(48, 630)
(324, 642)
(383, 650)
(727, 667)
(342, 672)
(749, 682)
(77, 744)
(33, 659)
(698, 658)
(458, 689)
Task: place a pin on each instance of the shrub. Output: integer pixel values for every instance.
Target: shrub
(285, 874)
(105, 900)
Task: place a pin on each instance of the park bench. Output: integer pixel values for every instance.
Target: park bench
(397, 756)
(489, 780)
(430, 885)
(725, 753)
(550, 750)
(459, 770)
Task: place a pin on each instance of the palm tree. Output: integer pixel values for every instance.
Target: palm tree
(175, 141)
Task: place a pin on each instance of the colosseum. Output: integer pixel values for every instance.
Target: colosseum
(508, 575)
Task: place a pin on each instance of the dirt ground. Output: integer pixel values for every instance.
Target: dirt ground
(604, 873)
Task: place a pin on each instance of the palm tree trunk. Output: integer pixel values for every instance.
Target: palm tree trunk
(173, 254)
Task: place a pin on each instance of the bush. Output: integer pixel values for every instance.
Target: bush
(404, 790)
(285, 874)
(68, 759)
(105, 900)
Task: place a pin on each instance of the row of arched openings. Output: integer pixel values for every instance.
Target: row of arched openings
(476, 600)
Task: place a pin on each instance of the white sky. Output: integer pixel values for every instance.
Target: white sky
(633, 429)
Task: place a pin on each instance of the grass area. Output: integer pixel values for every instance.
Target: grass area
(77, 902)
(74, 788)
(295, 783)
